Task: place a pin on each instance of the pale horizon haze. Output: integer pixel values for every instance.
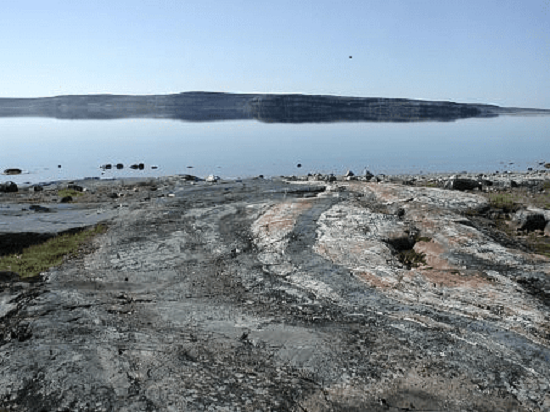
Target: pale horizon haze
(483, 51)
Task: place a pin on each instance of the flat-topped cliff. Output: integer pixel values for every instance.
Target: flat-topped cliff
(276, 108)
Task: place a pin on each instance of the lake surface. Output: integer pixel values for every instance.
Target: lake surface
(249, 148)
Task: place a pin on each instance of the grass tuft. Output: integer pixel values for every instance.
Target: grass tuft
(505, 201)
(39, 258)
(68, 192)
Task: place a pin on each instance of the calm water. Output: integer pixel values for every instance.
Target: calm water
(248, 148)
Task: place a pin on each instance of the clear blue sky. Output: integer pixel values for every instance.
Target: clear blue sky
(467, 51)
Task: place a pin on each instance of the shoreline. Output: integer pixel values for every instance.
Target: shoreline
(310, 176)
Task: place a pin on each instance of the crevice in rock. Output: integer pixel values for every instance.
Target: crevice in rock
(403, 248)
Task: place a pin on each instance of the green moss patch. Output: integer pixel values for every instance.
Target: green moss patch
(68, 192)
(39, 258)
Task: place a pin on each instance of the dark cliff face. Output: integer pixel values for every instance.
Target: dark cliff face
(289, 108)
(305, 109)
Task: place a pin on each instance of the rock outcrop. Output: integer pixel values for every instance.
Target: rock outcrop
(270, 295)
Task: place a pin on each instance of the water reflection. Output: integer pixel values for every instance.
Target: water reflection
(248, 148)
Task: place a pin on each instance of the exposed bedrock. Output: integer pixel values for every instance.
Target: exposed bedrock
(266, 295)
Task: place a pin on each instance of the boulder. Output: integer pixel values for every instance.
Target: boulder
(462, 184)
(349, 173)
(368, 175)
(13, 171)
(38, 188)
(212, 178)
(66, 199)
(547, 165)
(8, 187)
(529, 220)
(189, 178)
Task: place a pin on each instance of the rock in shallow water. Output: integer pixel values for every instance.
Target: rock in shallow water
(13, 171)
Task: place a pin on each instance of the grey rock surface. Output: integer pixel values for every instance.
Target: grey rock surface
(286, 296)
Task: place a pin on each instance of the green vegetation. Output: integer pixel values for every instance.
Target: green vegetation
(39, 258)
(505, 201)
(69, 192)
(539, 244)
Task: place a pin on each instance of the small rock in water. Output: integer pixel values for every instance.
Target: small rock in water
(141, 166)
(59, 166)
(299, 165)
(38, 208)
(12, 171)
(120, 166)
(106, 166)
(154, 167)
(135, 166)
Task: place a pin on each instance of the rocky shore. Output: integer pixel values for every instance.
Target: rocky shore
(297, 293)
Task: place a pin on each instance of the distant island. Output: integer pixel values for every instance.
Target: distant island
(271, 108)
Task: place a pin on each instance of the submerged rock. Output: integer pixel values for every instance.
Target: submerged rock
(13, 171)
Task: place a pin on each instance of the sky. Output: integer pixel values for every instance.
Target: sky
(471, 51)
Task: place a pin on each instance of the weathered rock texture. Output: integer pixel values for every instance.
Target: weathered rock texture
(264, 295)
(280, 108)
